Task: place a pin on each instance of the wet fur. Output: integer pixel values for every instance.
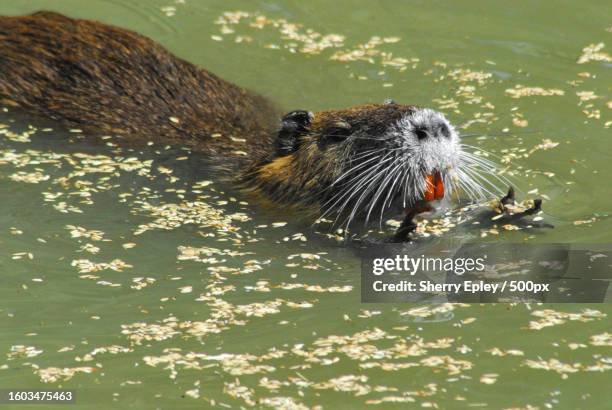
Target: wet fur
(318, 159)
(109, 80)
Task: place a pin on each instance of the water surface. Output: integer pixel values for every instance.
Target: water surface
(135, 278)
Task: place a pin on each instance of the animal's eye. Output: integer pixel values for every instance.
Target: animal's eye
(336, 138)
(337, 132)
(420, 133)
(331, 139)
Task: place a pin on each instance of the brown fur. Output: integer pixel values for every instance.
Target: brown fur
(375, 117)
(302, 176)
(109, 80)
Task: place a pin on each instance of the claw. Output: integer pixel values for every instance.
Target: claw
(509, 198)
(409, 225)
(506, 205)
(511, 215)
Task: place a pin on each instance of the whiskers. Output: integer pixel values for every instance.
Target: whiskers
(378, 179)
(477, 176)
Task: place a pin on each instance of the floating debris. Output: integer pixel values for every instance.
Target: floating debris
(593, 52)
(21, 351)
(564, 369)
(57, 374)
(550, 317)
(29, 177)
(489, 378)
(87, 266)
(520, 91)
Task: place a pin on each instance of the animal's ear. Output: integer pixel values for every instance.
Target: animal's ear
(293, 125)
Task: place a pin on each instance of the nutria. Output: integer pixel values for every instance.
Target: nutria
(360, 161)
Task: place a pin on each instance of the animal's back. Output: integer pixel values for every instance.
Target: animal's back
(103, 78)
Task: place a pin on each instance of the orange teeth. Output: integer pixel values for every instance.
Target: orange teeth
(434, 187)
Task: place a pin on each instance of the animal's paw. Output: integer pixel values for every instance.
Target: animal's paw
(509, 211)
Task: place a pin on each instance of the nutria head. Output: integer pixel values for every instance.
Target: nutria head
(364, 161)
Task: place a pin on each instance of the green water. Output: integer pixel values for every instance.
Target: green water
(259, 315)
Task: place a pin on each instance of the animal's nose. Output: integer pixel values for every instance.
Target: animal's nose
(444, 131)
